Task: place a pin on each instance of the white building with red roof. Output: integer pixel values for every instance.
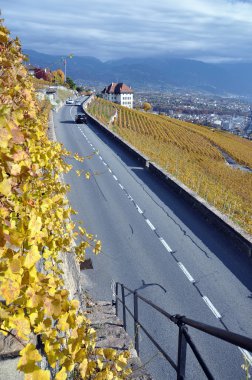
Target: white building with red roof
(119, 93)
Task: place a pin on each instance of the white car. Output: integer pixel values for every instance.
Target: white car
(70, 101)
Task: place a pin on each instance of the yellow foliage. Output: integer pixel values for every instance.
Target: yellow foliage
(29, 357)
(32, 257)
(192, 154)
(35, 227)
(10, 290)
(40, 374)
(5, 186)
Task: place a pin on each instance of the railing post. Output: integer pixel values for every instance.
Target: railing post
(181, 364)
(116, 300)
(136, 322)
(124, 310)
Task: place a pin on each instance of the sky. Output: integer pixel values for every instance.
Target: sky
(206, 30)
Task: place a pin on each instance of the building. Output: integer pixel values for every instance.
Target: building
(119, 93)
(31, 69)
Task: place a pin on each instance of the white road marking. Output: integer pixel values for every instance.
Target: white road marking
(139, 210)
(71, 113)
(121, 186)
(93, 148)
(91, 144)
(109, 170)
(100, 157)
(104, 163)
(185, 271)
(211, 307)
(150, 224)
(246, 354)
(115, 177)
(165, 245)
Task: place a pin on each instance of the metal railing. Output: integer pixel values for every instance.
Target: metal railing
(183, 336)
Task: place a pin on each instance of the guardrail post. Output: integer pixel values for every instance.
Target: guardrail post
(136, 322)
(124, 310)
(116, 300)
(181, 365)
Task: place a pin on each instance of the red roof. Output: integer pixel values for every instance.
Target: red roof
(117, 88)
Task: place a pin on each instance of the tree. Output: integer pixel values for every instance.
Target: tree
(147, 106)
(44, 74)
(58, 76)
(80, 89)
(70, 83)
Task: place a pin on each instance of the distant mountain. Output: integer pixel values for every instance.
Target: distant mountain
(160, 72)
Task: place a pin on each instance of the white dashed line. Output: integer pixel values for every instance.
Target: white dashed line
(93, 148)
(109, 170)
(115, 177)
(104, 163)
(91, 144)
(139, 210)
(165, 245)
(121, 186)
(150, 224)
(185, 271)
(211, 307)
(100, 157)
(246, 354)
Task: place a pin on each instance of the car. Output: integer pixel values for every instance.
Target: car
(80, 118)
(70, 101)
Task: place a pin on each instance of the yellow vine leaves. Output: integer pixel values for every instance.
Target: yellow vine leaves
(35, 227)
(191, 153)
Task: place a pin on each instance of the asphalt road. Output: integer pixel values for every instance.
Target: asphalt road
(155, 242)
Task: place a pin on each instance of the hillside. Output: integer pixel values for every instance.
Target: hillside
(158, 72)
(191, 153)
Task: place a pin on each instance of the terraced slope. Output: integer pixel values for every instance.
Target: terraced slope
(191, 153)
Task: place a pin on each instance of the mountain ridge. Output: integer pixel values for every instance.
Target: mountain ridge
(157, 72)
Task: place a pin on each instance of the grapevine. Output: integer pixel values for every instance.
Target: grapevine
(35, 228)
(191, 153)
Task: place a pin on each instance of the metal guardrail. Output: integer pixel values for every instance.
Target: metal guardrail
(183, 336)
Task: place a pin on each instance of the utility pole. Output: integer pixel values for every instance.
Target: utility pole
(65, 63)
(65, 68)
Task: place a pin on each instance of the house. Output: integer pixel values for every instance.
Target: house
(31, 69)
(119, 93)
(51, 94)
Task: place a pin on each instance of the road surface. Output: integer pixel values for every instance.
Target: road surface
(155, 242)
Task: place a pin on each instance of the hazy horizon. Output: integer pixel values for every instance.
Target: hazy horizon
(208, 31)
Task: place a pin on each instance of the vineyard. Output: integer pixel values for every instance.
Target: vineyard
(191, 153)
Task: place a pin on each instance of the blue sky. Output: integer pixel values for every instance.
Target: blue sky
(208, 30)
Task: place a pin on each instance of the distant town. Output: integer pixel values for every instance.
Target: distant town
(231, 114)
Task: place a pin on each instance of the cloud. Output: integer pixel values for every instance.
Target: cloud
(107, 29)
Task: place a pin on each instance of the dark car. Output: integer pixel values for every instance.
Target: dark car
(80, 118)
